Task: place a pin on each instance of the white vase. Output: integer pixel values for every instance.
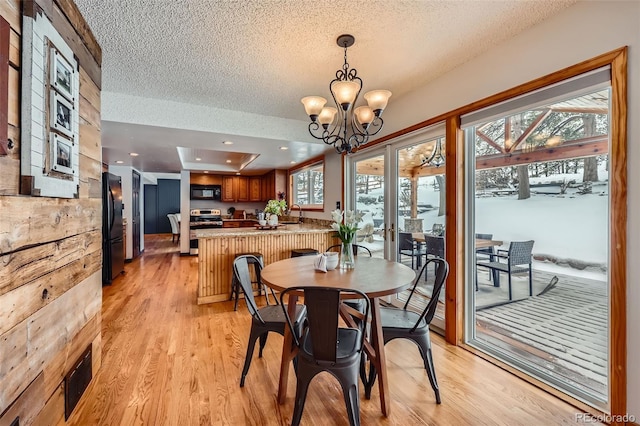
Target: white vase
(273, 219)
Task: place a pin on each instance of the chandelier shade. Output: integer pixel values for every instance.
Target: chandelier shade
(313, 105)
(345, 126)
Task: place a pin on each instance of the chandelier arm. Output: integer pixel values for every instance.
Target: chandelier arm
(314, 127)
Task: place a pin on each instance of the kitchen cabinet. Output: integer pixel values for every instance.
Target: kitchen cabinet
(243, 188)
(235, 188)
(273, 182)
(255, 189)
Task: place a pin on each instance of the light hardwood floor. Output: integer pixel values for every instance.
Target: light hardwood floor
(168, 361)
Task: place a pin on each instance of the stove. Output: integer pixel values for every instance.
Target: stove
(202, 219)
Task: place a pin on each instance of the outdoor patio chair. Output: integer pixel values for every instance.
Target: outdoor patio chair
(434, 247)
(408, 247)
(516, 260)
(485, 253)
(405, 324)
(264, 320)
(325, 346)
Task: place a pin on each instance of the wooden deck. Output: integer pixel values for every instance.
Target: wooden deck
(563, 331)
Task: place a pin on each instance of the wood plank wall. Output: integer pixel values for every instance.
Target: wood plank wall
(50, 248)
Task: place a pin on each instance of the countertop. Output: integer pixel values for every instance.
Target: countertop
(243, 232)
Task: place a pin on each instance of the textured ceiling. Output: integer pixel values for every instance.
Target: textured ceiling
(263, 56)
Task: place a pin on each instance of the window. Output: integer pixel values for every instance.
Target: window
(307, 186)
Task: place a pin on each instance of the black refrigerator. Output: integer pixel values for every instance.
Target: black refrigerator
(112, 242)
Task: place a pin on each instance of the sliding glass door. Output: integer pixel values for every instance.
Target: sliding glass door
(538, 192)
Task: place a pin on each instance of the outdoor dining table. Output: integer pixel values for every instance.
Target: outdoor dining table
(375, 277)
(480, 243)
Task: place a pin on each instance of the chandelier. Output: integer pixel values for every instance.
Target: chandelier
(435, 157)
(346, 127)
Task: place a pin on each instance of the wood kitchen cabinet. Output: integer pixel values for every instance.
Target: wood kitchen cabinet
(255, 189)
(235, 188)
(273, 182)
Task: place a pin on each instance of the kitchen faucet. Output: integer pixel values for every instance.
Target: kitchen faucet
(299, 208)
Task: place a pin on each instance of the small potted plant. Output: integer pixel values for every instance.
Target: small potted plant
(273, 209)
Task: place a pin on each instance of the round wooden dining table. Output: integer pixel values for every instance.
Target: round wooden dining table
(374, 277)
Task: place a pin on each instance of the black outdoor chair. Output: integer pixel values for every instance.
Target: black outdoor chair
(485, 253)
(326, 347)
(408, 247)
(405, 324)
(265, 319)
(434, 247)
(517, 260)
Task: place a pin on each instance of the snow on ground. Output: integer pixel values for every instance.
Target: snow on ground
(569, 226)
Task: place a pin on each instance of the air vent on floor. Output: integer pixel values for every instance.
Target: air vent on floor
(76, 381)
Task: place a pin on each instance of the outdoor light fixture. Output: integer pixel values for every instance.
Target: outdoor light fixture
(346, 127)
(435, 158)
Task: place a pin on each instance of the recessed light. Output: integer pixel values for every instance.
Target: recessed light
(133, 154)
(228, 161)
(293, 162)
(284, 148)
(238, 173)
(227, 143)
(119, 162)
(206, 171)
(198, 158)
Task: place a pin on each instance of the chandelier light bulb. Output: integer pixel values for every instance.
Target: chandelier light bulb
(345, 93)
(327, 115)
(313, 105)
(365, 115)
(377, 100)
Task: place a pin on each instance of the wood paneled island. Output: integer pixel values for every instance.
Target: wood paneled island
(217, 249)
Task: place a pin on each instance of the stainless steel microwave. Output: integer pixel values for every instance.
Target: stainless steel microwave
(206, 192)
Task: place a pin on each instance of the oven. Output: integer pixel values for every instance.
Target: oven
(202, 219)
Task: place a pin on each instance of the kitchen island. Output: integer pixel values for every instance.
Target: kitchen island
(217, 248)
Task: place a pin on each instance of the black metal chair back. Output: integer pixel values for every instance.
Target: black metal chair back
(435, 245)
(442, 271)
(241, 271)
(405, 241)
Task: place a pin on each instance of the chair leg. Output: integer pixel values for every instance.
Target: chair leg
(509, 285)
(530, 281)
(370, 381)
(349, 381)
(424, 343)
(247, 359)
(263, 342)
(235, 290)
(304, 379)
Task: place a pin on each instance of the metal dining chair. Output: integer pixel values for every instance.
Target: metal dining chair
(325, 346)
(405, 324)
(263, 320)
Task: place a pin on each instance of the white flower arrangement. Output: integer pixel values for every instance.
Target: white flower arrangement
(345, 224)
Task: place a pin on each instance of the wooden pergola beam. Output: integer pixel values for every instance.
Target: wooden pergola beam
(533, 126)
(586, 147)
(488, 140)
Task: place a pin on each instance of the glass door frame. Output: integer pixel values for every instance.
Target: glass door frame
(390, 205)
